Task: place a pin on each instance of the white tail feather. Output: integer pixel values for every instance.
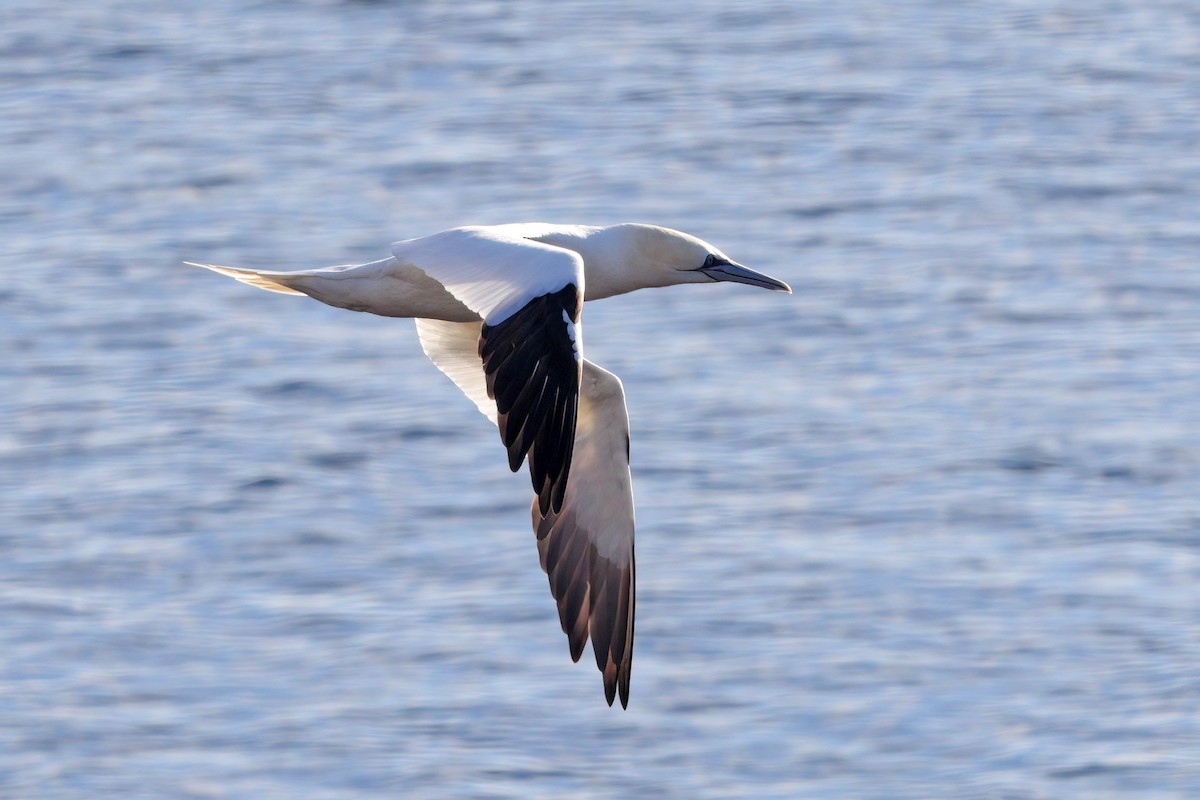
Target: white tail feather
(271, 281)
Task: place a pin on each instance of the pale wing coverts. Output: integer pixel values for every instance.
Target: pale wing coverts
(530, 296)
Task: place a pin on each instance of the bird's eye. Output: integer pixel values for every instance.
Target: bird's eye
(710, 261)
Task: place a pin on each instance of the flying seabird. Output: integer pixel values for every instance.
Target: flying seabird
(498, 310)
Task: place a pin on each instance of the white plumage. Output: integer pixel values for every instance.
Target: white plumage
(498, 310)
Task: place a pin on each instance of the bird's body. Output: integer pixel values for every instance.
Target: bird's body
(498, 310)
(400, 286)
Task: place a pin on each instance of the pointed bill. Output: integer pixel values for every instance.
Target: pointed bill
(736, 273)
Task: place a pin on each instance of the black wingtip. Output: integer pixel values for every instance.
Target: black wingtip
(533, 372)
(558, 490)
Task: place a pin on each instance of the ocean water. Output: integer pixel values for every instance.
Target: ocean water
(930, 527)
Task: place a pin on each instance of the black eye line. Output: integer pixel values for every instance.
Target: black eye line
(712, 260)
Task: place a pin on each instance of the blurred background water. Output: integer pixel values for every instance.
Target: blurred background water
(928, 528)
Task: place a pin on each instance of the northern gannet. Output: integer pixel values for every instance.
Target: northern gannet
(498, 310)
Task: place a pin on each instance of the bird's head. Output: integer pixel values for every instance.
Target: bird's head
(665, 257)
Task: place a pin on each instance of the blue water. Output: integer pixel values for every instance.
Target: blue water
(928, 528)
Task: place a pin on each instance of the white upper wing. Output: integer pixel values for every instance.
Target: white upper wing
(493, 273)
(530, 296)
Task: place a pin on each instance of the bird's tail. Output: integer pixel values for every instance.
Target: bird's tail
(264, 279)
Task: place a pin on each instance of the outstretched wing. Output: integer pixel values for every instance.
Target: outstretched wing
(530, 296)
(586, 547)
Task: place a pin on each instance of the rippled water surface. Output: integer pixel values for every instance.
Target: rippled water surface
(930, 527)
